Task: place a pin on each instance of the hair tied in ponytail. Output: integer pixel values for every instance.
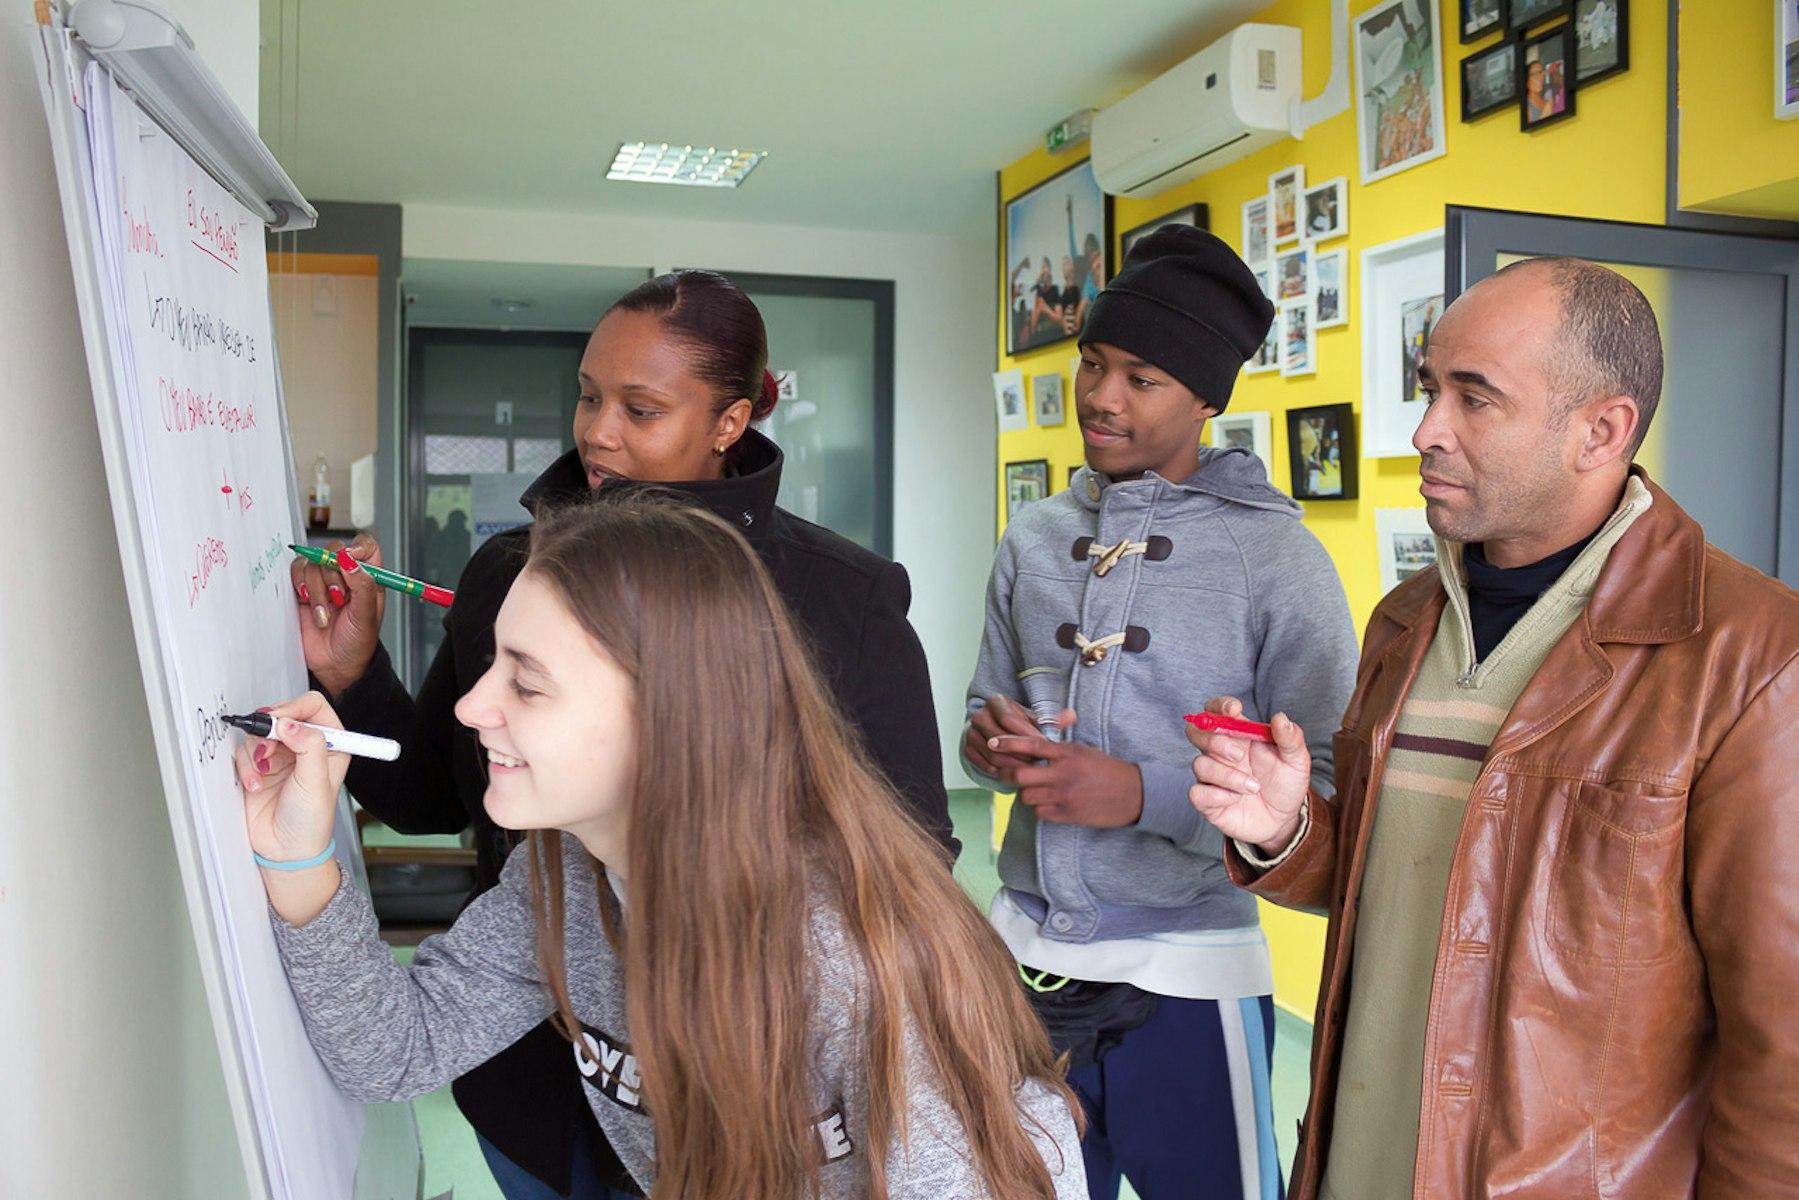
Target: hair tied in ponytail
(765, 404)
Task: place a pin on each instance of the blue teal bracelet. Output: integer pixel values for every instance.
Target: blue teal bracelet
(323, 856)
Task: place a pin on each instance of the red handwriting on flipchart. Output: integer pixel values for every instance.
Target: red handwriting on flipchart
(140, 237)
(209, 556)
(185, 410)
(214, 232)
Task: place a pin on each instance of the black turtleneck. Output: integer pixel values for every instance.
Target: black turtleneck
(1499, 596)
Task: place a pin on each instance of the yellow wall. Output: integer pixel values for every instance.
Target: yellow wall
(1734, 156)
(1607, 161)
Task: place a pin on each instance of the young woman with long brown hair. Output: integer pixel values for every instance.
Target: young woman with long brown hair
(770, 985)
(671, 383)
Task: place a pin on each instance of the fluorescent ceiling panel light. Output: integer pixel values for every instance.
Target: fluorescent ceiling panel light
(689, 166)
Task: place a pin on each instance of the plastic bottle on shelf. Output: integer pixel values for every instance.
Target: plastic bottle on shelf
(318, 505)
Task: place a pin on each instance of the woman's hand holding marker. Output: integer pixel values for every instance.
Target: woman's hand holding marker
(1251, 790)
(340, 619)
(290, 786)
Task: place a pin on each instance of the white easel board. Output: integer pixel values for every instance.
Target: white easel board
(172, 288)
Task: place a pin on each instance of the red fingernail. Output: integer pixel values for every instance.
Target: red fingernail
(265, 709)
(305, 596)
(346, 562)
(337, 595)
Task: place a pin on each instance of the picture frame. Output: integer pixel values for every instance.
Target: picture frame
(1299, 339)
(1284, 187)
(1325, 208)
(1268, 356)
(1190, 214)
(1037, 228)
(1027, 481)
(1330, 288)
(1601, 40)
(1786, 59)
(1478, 18)
(1257, 241)
(1009, 402)
(1321, 451)
(1546, 62)
(1523, 14)
(1489, 81)
(1251, 431)
(1397, 48)
(1393, 275)
(1292, 274)
(1047, 400)
(1068, 480)
(1405, 544)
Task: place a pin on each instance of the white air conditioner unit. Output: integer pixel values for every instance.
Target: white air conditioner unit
(1231, 99)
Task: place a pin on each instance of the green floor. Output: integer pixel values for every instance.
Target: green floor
(453, 1163)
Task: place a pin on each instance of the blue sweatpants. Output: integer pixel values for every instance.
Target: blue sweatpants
(1182, 1108)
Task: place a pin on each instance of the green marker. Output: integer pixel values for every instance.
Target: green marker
(344, 561)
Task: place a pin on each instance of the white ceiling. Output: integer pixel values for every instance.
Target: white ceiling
(880, 116)
(459, 293)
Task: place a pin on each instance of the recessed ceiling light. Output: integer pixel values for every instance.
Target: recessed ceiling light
(510, 305)
(690, 166)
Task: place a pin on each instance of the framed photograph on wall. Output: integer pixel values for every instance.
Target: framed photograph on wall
(1480, 17)
(1256, 237)
(1398, 54)
(1489, 81)
(1786, 59)
(1249, 431)
(1056, 238)
(1283, 203)
(1268, 358)
(1046, 399)
(1292, 274)
(1330, 290)
(1008, 400)
(1601, 39)
(1404, 544)
(1299, 339)
(1525, 13)
(1546, 78)
(1026, 482)
(1400, 281)
(1321, 450)
(1327, 210)
(1193, 214)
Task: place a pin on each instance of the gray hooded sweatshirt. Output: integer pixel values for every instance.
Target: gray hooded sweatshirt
(1218, 591)
(387, 1032)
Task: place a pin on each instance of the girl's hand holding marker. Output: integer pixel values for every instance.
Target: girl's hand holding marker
(290, 783)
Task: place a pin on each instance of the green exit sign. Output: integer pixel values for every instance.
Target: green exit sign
(1068, 131)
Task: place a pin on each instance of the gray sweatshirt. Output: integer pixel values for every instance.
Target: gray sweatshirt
(1219, 590)
(387, 1032)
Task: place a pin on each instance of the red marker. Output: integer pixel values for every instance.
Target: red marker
(1214, 723)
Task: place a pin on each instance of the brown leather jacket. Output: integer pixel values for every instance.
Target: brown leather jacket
(1620, 946)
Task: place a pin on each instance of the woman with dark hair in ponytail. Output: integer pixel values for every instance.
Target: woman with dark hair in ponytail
(673, 377)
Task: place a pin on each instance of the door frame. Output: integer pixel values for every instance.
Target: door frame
(1474, 238)
(881, 293)
(412, 518)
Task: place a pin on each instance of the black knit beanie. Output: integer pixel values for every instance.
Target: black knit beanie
(1185, 303)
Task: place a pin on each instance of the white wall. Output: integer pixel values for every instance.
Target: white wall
(943, 422)
(112, 1079)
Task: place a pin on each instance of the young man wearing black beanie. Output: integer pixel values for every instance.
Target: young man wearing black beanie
(1166, 573)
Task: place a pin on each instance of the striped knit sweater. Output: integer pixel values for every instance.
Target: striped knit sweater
(1450, 717)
